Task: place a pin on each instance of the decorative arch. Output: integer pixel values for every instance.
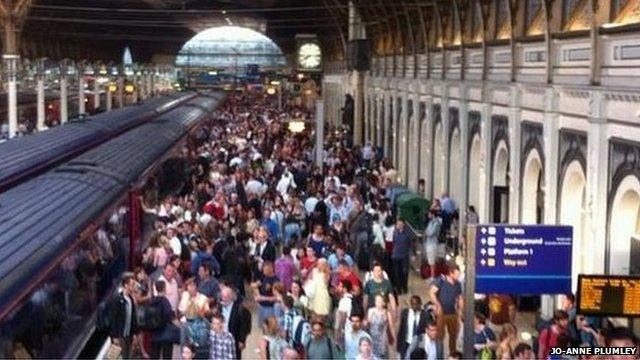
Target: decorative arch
(624, 207)
(455, 160)
(572, 211)
(437, 149)
(475, 158)
(230, 47)
(532, 196)
(624, 227)
(573, 147)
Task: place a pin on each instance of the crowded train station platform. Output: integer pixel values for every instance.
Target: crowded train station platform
(344, 179)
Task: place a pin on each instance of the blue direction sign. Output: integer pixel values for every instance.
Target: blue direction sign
(523, 259)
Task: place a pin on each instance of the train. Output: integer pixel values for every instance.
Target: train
(66, 236)
(27, 156)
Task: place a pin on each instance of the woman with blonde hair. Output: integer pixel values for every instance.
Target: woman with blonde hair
(317, 289)
(507, 342)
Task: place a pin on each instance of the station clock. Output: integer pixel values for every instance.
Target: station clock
(309, 55)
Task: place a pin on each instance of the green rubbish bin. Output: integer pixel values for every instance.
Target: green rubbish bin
(413, 208)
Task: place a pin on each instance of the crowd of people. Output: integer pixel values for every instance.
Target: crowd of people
(318, 255)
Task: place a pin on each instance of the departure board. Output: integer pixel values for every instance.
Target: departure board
(604, 295)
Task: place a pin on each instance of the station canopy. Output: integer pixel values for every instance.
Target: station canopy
(228, 47)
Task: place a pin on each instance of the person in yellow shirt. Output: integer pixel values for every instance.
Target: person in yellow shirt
(192, 302)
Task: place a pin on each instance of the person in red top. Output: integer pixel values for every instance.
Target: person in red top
(549, 336)
(216, 207)
(345, 273)
(308, 262)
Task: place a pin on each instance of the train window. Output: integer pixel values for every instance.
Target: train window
(58, 317)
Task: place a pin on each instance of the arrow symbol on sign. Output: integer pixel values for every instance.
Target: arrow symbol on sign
(483, 262)
(483, 251)
(483, 230)
(483, 241)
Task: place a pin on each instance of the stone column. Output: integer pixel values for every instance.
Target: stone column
(109, 95)
(414, 132)
(598, 257)
(387, 124)
(96, 89)
(120, 90)
(403, 138)
(484, 204)
(64, 112)
(463, 176)
(395, 119)
(136, 88)
(428, 177)
(367, 116)
(551, 163)
(444, 111)
(380, 119)
(356, 78)
(11, 68)
(40, 123)
(319, 153)
(515, 114)
(81, 103)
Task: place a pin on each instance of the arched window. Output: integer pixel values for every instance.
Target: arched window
(569, 6)
(230, 47)
(532, 9)
(503, 26)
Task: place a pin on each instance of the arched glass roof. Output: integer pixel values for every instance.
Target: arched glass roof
(223, 46)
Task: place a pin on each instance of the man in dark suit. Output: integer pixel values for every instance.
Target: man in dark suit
(122, 315)
(264, 250)
(427, 345)
(236, 317)
(413, 321)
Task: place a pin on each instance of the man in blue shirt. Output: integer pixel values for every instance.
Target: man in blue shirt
(353, 334)
(402, 244)
(271, 225)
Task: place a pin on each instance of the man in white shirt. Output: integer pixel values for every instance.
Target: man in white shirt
(331, 176)
(344, 310)
(174, 242)
(172, 290)
(310, 204)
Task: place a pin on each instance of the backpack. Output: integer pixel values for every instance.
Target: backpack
(329, 346)
(541, 325)
(150, 317)
(197, 330)
(301, 332)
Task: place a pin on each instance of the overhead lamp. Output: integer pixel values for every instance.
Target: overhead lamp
(300, 76)
(275, 83)
(271, 91)
(129, 88)
(103, 71)
(213, 73)
(308, 92)
(112, 88)
(296, 126)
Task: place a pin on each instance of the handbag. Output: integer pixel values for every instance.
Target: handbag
(486, 353)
